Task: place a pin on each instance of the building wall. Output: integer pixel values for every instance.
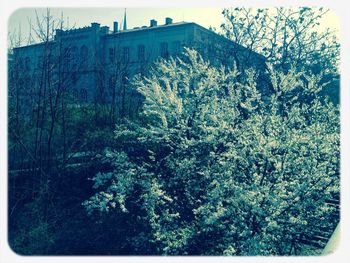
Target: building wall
(95, 64)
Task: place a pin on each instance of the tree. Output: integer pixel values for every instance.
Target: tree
(212, 169)
(288, 37)
(285, 36)
(47, 128)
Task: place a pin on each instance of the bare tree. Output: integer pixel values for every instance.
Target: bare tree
(285, 36)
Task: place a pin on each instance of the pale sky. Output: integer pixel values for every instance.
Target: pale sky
(80, 17)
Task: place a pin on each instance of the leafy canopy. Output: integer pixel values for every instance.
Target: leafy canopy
(285, 36)
(213, 169)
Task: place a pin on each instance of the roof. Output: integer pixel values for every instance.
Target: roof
(33, 45)
(147, 28)
(157, 27)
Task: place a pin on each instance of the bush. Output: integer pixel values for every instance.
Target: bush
(211, 168)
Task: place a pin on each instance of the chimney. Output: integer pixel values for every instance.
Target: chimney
(59, 32)
(168, 21)
(153, 23)
(95, 25)
(104, 30)
(115, 26)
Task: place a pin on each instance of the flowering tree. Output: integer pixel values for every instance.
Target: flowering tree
(211, 168)
(288, 37)
(285, 36)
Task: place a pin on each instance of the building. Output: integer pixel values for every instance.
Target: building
(94, 63)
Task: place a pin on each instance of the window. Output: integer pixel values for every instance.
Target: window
(20, 84)
(27, 63)
(67, 57)
(141, 53)
(50, 61)
(164, 50)
(126, 54)
(26, 85)
(84, 55)
(112, 55)
(124, 79)
(83, 94)
(111, 83)
(40, 61)
(75, 93)
(20, 65)
(84, 52)
(176, 47)
(75, 56)
(74, 77)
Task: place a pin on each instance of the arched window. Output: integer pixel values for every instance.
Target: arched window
(176, 47)
(20, 84)
(75, 58)
(74, 77)
(112, 82)
(164, 53)
(84, 52)
(19, 64)
(27, 65)
(75, 94)
(141, 53)
(111, 53)
(83, 94)
(126, 54)
(39, 61)
(67, 58)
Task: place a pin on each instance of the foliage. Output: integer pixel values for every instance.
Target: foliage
(212, 168)
(54, 131)
(288, 38)
(285, 36)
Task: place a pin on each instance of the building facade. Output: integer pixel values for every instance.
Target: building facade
(95, 64)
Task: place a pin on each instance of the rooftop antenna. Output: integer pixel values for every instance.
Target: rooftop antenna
(124, 24)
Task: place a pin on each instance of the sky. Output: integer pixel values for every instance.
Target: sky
(80, 17)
